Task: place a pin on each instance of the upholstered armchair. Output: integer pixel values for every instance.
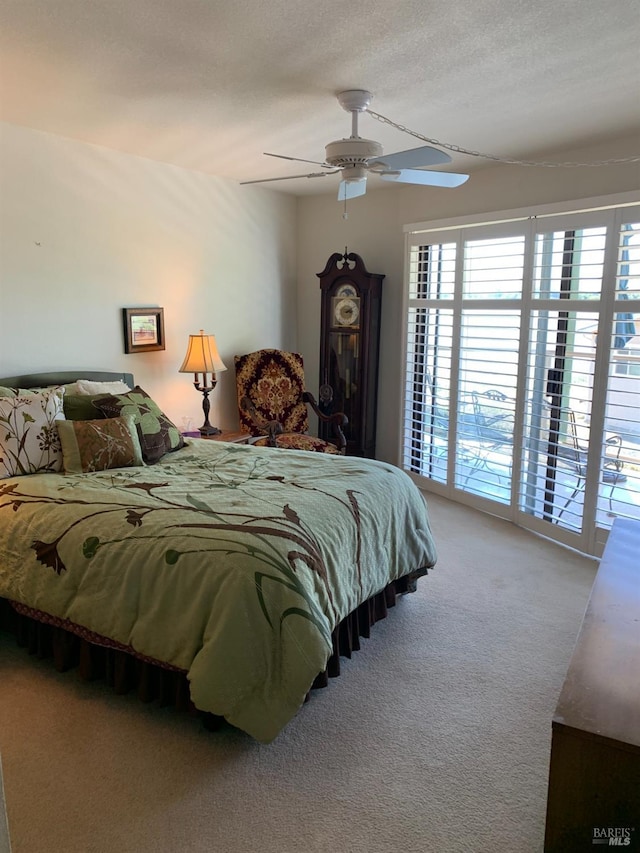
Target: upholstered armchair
(272, 403)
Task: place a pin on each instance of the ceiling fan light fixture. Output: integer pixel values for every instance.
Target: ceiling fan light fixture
(354, 174)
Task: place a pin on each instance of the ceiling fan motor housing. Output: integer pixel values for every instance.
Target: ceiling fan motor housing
(352, 152)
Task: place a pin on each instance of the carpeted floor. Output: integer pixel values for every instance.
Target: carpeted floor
(435, 738)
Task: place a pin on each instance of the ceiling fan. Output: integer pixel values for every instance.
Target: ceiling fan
(356, 157)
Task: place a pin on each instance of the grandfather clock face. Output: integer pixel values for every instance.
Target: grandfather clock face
(345, 308)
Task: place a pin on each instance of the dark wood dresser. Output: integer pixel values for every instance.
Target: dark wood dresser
(594, 775)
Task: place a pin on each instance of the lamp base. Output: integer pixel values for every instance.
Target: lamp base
(207, 429)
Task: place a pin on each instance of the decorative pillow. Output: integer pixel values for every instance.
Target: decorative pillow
(79, 407)
(158, 435)
(29, 440)
(24, 392)
(87, 386)
(28, 392)
(100, 444)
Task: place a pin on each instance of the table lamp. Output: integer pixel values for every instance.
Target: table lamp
(203, 358)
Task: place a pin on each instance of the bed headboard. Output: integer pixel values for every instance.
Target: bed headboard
(64, 377)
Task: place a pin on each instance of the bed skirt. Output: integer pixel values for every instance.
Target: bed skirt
(72, 646)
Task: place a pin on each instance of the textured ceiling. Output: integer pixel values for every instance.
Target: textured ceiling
(211, 84)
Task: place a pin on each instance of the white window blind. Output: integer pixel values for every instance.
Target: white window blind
(516, 395)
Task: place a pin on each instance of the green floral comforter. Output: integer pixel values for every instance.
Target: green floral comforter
(232, 562)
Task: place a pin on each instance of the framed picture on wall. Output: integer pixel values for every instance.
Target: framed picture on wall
(143, 329)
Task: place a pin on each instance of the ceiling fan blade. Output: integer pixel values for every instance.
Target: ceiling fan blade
(425, 177)
(291, 177)
(414, 158)
(351, 189)
(298, 159)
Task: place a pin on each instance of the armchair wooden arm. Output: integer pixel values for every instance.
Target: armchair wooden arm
(338, 420)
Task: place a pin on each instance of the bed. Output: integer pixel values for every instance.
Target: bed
(240, 572)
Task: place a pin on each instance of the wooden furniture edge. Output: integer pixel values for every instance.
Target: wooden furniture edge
(5, 843)
(594, 772)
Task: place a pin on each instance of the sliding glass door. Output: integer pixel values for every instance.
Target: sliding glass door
(522, 386)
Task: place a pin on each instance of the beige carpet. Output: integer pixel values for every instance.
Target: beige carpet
(435, 738)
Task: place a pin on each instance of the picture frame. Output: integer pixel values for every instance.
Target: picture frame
(143, 329)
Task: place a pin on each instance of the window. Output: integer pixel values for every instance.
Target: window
(521, 393)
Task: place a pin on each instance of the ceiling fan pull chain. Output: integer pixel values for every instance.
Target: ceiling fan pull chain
(614, 161)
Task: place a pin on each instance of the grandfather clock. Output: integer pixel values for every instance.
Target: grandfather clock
(349, 348)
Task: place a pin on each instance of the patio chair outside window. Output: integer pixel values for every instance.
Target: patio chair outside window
(485, 432)
(572, 455)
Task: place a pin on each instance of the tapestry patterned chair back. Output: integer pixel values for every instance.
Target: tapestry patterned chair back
(274, 382)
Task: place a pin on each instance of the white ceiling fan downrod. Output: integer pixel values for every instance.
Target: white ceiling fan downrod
(352, 154)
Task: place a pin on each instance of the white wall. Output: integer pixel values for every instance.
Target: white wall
(374, 231)
(86, 231)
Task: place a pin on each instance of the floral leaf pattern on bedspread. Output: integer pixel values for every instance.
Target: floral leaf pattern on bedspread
(232, 562)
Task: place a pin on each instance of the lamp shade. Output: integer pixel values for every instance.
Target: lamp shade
(202, 355)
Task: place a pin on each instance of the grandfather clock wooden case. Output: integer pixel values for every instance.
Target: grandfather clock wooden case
(349, 348)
